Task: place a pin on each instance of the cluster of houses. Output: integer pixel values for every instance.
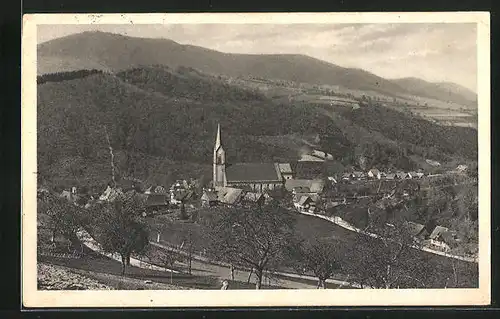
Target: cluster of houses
(376, 174)
(157, 197)
(435, 236)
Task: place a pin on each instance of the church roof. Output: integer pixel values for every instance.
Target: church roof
(253, 172)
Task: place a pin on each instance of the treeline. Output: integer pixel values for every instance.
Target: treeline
(65, 76)
(397, 126)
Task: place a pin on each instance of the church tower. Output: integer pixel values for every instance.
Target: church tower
(219, 162)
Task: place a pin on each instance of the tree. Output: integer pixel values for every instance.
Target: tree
(319, 256)
(63, 215)
(388, 261)
(256, 238)
(118, 226)
(167, 258)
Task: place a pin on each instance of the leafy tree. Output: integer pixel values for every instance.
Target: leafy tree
(251, 237)
(118, 226)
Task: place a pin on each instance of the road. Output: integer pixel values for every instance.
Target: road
(201, 266)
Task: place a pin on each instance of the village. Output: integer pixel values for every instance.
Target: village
(248, 184)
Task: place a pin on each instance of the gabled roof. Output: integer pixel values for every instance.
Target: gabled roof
(209, 196)
(414, 229)
(310, 158)
(449, 238)
(253, 197)
(229, 195)
(400, 175)
(390, 176)
(314, 185)
(253, 172)
(156, 200)
(374, 171)
(304, 199)
(156, 189)
(438, 230)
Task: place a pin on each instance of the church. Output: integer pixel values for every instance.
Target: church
(256, 177)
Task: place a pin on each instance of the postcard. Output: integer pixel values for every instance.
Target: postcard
(256, 159)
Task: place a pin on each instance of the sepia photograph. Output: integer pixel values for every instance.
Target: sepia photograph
(290, 159)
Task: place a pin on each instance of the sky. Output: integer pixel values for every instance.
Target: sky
(436, 52)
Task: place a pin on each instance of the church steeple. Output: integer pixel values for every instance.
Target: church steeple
(219, 162)
(217, 139)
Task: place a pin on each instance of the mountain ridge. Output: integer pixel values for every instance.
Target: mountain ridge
(116, 52)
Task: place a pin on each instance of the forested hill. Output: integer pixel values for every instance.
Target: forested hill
(159, 117)
(115, 53)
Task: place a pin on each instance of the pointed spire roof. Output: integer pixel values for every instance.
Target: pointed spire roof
(217, 140)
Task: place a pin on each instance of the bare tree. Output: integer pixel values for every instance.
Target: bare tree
(323, 257)
(388, 261)
(250, 237)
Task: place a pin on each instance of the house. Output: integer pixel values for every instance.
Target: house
(229, 195)
(358, 175)
(332, 179)
(285, 170)
(209, 199)
(346, 177)
(374, 174)
(110, 194)
(419, 174)
(254, 198)
(129, 184)
(304, 203)
(436, 237)
(411, 175)
(400, 175)
(156, 202)
(180, 196)
(322, 155)
(155, 189)
(301, 189)
(390, 176)
(433, 163)
(305, 185)
(416, 230)
(310, 158)
(450, 238)
(69, 196)
(461, 168)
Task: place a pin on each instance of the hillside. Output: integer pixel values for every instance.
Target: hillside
(115, 53)
(161, 123)
(443, 91)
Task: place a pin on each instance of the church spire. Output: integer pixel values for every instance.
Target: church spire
(217, 140)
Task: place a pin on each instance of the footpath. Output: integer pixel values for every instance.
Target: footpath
(342, 223)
